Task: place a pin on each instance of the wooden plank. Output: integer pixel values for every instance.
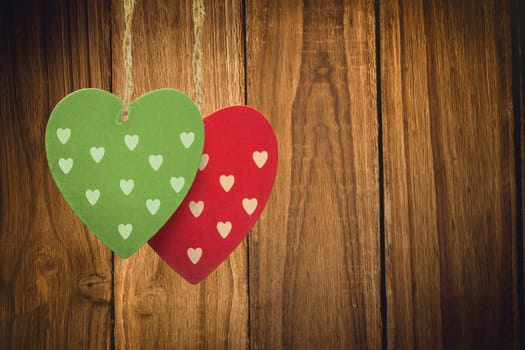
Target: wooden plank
(55, 277)
(154, 307)
(314, 255)
(521, 63)
(518, 28)
(450, 208)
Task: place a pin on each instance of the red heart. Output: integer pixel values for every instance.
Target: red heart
(229, 193)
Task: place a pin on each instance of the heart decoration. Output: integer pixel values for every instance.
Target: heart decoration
(124, 179)
(235, 178)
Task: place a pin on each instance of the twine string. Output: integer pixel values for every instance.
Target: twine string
(198, 20)
(129, 6)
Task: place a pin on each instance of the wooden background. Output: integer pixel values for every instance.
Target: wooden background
(396, 219)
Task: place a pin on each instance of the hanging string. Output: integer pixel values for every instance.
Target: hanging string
(198, 19)
(129, 6)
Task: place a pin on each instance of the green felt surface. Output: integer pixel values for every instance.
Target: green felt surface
(124, 179)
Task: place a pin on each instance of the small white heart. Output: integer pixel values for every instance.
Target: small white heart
(63, 134)
(194, 254)
(65, 165)
(92, 196)
(227, 182)
(249, 205)
(177, 183)
(127, 186)
(155, 161)
(224, 228)
(187, 139)
(125, 230)
(196, 208)
(153, 205)
(131, 141)
(204, 161)
(260, 158)
(97, 153)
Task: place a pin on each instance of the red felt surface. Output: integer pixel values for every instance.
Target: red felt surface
(232, 135)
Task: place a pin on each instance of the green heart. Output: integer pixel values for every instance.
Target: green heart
(124, 179)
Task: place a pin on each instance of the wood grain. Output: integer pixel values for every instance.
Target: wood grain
(521, 64)
(314, 255)
(518, 9)
(55, 277)
(310, 277)
(154, 307)
(449, 175)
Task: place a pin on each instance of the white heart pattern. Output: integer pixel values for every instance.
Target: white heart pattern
(187, 139)
(177, 183)
(125, 230)
(260, 158)
(196, 208)
(155, 161)
(92, 196)
(63, 135)
(127, 186)
(204, 161)
(97, 153)
(65, 165)
(227, 182)
(249, 205)
(131, 141)
(153, 205)
(224, 228)
(194, 254)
